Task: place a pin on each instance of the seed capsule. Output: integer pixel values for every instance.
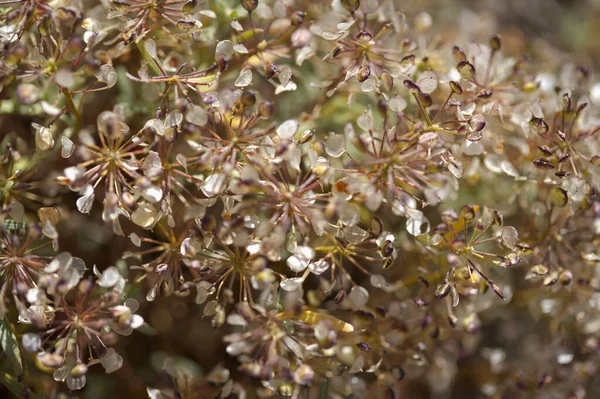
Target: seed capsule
(190, 5)
(297, 18)
(442, 290)
(248, 98)
(265, 109)
(269, 69)
(306, 136)
(539, 125)
(79, 370)
(467, 212)
(221, 63)
(363, 73)
(495, 43)
(250, 5)
(558, 197)
(412, 86)
(364, 37)
(543, 164)
(338, 50)
(566, 276)
(455, 87)
(387, 248)
(350, 5)
(466, 69)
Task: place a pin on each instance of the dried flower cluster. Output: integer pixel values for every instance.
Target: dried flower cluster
(357, 206)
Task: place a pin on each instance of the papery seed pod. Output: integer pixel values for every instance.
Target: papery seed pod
(364, 346)
(423, 22)
(566, 100)
(408, 59)
(376, 227)
(544, 150)
(318, 147)
(441, 229)
(387, 81)
(265, 109)
(495, 43)
(269, 69)
(543, 164)
(67, 13)
(455, 87)
(382, 107)
(364, 37)
(566, 276)
(467, 212)
(27, 93)
(181, 104)
(466, 70)
(297, 18)
(477, 122)
(485, 94)
(425, 100)
(458, 54)
(163, 288)
(497, 217)
(539, 270)
(221, 63)
(249, 5)
(551, 279)
(285, 389)
(304, 375)
(363, 73)
(442, 290)
(120, 5)
(581, 107)
(51, 214)
(306, 136)
(350, 5)
(338, 50)
(186, 24)
(463, 273)
(389, 262)
(347, 355)
(237, 108)
(387, 248)
(128, 199)
(558, 197)
(190, 6)
(539, 125)
(564, 158)
(449, 216)
(411, 86)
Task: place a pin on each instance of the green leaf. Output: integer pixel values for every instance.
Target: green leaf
(10, 346)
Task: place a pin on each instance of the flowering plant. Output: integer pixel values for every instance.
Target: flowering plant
(290, 198)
